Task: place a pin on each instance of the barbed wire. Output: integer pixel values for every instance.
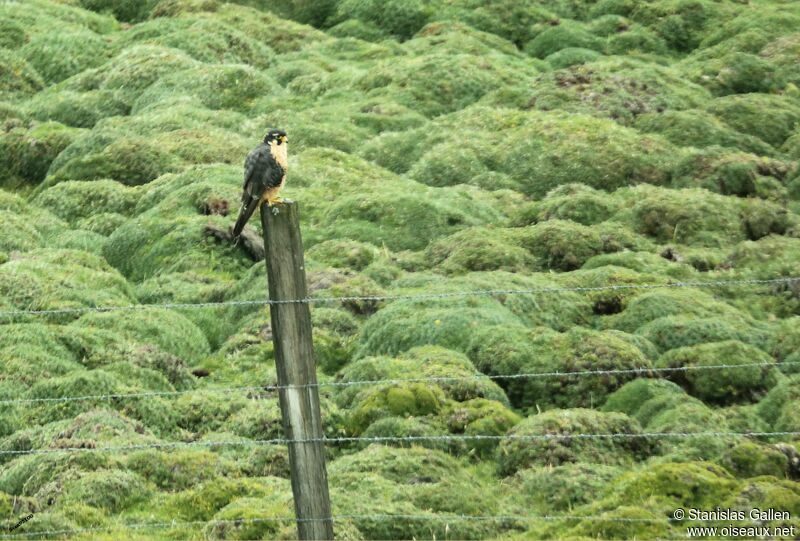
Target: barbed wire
(419, 296)
(386, 439)
(395, 381)
(338, 518)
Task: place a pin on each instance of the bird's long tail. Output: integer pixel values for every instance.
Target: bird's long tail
(244, 214)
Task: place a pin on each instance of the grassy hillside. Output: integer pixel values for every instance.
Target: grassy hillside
(435, 146)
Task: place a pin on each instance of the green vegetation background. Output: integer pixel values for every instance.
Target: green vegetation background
(436, 145)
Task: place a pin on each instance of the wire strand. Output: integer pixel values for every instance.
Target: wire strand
(385, 439)
(335, 518)
(421, 296)
(394, 381)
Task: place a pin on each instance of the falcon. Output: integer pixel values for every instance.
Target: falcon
(264, 176)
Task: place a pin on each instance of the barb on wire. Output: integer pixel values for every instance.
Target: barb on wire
(645, 371)
(420, 296)
(386, 439)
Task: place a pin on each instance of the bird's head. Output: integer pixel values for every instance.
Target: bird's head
(276, 136)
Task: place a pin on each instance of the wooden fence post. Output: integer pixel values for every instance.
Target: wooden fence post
(294, 358)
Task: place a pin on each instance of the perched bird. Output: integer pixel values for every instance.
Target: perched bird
(264, 176)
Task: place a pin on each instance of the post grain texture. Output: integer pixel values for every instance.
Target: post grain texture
(294, 357)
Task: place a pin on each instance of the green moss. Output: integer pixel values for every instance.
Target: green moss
(534, 150)
(459, 379)
(56, 56)
(397, 465)
(730, 385)
(277, 31)
(27, 153)
(571, 56)
(380, 115)
(166, 329)
(636, 39)
(574, 351)
(699, 129)
(77, 109)
(634, 395)
(564, 487)
(744, 418)
(449, 161)
(256, 420)
(737, 73)
(480, 417)
(686, 484)
(17, 76)
(204, 500)
(781, 53)
(121, 10)
(412, 427)
(765, 491)
(787, 421)
(186, 233)
(14, 34)
(688, 216)
(18, 233)
(562, 245)
(682, 23)
(751, 459)
(355, 28)
(28, 475)
(392, 400)
(112, 490)
(734, 173)
(625, 521)
(213, 86)
(405, 324)
(458, 38)
(606, 301)
(759, 26)
(773, 255)
(618, 88)
(516, 454)
(131, 71)
(83, 280)
(481, 249)
(410, 481)
(237, 513)
(266, 460)
(785, 340)
(399, 18)
(77, 383)
(207, 412)
(205, 39)
(771, 118)
(679, 331)
(453, 163)
(643, 262)
(102, 224)
(566, 34)
(784, 393)
(576, 202)
(343, 254)
(407, 215)
(39, 15)
(74, 200)
(434, 84)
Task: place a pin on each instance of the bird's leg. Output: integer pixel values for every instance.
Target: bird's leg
(272, 204)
